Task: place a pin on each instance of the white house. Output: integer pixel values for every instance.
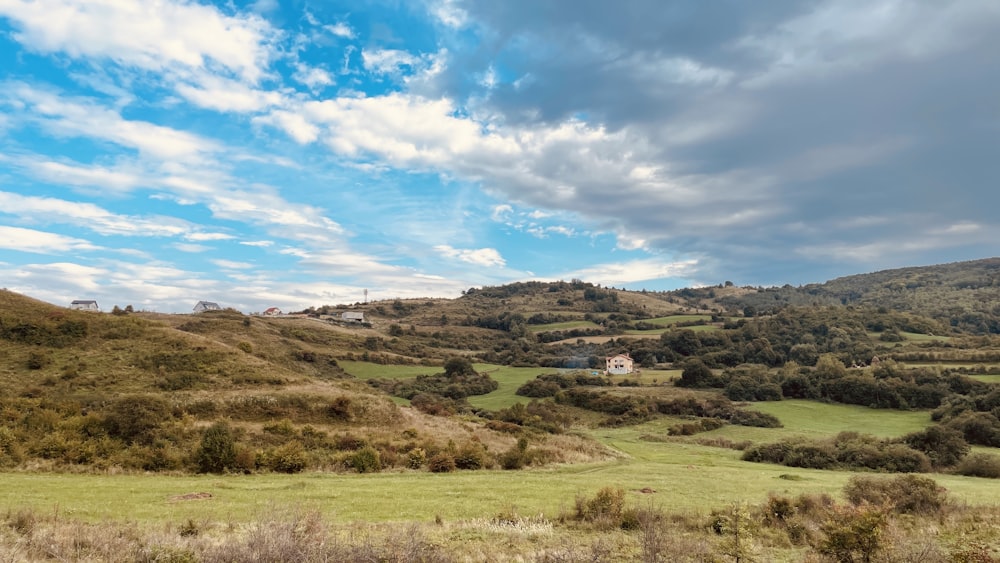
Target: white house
(85, 305)
(203, 306)
(621, 364)
(353, 316)
(272, 312)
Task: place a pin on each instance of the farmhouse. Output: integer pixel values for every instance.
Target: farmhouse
(353, 316)
(272, 312)
(619, 365)
(85, 305)
(203, 306)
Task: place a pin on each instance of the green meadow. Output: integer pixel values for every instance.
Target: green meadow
(674, 473)
(567, 325)
(674, 319)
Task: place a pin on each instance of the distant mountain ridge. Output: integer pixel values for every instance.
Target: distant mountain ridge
(964, 295)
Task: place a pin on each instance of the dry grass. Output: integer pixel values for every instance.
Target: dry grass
(778, 529)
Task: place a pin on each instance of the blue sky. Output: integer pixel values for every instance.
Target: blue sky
(296, 153)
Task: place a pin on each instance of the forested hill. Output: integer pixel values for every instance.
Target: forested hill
(964, 295)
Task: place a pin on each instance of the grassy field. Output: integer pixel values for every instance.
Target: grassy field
(509, 379)
(568, 325)
(992, 378)
(686, 477)
(674, 319)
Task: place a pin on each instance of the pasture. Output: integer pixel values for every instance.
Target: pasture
(675, 473)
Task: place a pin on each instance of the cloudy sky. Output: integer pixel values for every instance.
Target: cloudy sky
(293, 153)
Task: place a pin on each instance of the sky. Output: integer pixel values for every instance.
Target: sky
(296, 153)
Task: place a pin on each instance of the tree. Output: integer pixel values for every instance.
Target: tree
(459, 365)
(696, 374)
(217, 452)
(944, 446)
(136, 418)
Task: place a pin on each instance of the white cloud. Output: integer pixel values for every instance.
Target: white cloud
(81, 118)
(389, 61)
(208, 236)
(40, 242)
(115, 179)
(960, 228)
(621, 273)
(448, 13)
(224, 94)
(232, 265)
(156, 36)
(90, 216)
(258, 243)
(313, 77)
(340, 29)
(487, 257)
(501, 212)
(296, 125)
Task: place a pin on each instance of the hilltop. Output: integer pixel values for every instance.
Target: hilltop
(142, 390)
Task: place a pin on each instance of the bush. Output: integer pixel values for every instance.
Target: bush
(754, 419)
(136, 418)
(289, 458)
(366, 460)
(538, 388)
(980, 465)
(908, 494)
(944, 446)
(443, 462)
(416, 458)
(606, 506)
(38, 360)
(217, 451)
(853, 531)
(471, 456)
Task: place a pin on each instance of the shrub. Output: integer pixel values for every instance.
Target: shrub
(910, 494)
(606, 506)
(538, 388)
(416, 458)
(10, 449)
(944, 446)
(217, 451)
(980, 465)
(289, 458)
(471, 456)
(853, 531)
(340, 409)
(38, 360)
(442, 462)
(245, 347)
(135, 418)
(366, 460)
(755, 419)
